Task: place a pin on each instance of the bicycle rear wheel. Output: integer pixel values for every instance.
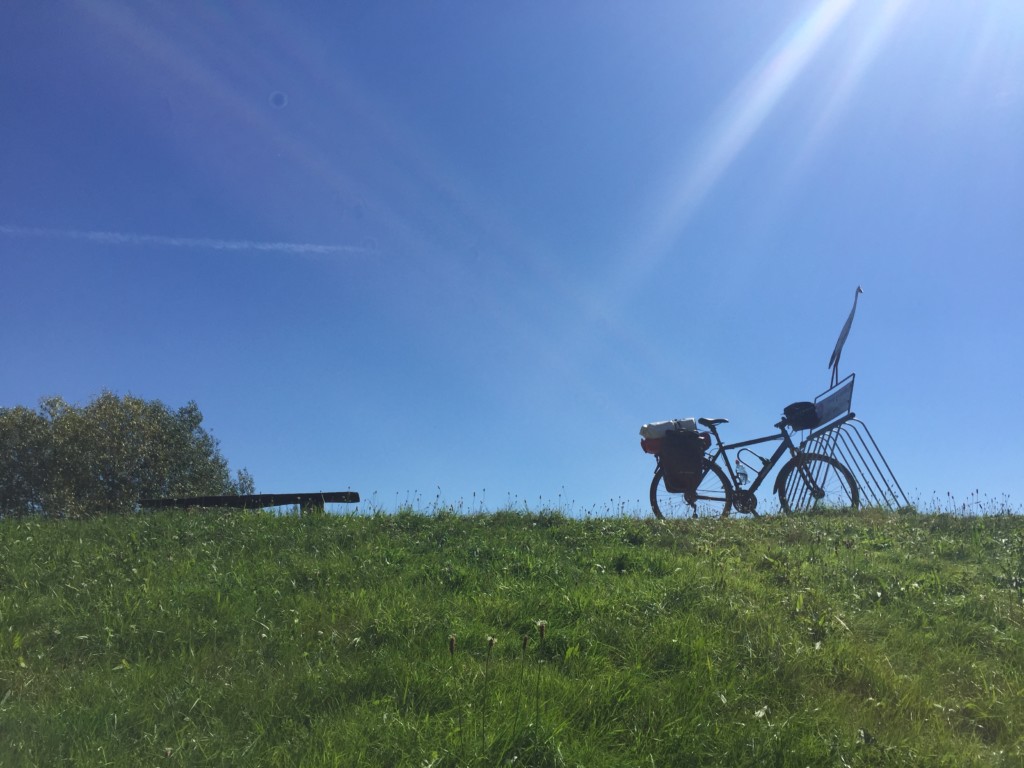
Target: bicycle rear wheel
(713, 497)
(816, 482)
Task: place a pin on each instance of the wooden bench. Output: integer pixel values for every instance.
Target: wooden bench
(307, 502)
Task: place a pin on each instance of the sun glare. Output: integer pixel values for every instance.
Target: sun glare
(737, 122)
(739, 119)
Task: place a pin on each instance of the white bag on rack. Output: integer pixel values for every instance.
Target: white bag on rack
(657, 429)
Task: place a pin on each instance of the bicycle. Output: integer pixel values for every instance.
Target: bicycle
(805, 482)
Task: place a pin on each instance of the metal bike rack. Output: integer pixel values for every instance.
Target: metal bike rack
(841, 435)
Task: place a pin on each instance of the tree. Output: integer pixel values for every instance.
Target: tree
(24, 459)
(70, 461)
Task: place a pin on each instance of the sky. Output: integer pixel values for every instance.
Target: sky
(457, 253)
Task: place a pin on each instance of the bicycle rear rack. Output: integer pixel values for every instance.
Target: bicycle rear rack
(849, 440)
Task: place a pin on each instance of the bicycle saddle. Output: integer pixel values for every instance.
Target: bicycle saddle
(711, 423)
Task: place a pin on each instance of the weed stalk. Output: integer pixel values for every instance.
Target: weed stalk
(542, 628)
(491, 640)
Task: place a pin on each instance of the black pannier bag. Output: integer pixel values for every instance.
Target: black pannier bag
(682, 458)
(801, 415)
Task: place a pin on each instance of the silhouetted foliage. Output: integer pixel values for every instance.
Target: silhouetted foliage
(68, 461)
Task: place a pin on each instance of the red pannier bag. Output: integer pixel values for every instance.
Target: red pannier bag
(651, 445)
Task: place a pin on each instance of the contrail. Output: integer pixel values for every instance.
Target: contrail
(130, 238)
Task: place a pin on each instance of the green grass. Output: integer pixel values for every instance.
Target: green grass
(868, 639)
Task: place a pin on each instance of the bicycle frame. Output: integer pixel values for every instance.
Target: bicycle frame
(786, 444)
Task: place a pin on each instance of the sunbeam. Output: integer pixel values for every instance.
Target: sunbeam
(736, 125)
(739, 120)
(877, 32)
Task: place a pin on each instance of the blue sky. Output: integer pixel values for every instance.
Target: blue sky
(464, 250)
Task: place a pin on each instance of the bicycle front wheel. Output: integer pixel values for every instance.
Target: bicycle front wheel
(816, 482)
(713, 496)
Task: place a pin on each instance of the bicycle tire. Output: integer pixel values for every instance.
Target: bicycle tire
(714, 496)
(816, 482)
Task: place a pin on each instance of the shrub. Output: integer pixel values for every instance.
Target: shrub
(64, 460)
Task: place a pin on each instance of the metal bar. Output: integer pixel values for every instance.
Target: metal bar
(828, 428)
(850, 441)
(888, 469)
(755, 441)
(881, 484)
(870, 484)
(858, 463)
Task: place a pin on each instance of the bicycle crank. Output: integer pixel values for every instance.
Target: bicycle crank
(744, 502)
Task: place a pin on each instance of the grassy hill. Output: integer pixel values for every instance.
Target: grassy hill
(866, 639)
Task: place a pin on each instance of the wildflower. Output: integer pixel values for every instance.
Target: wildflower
(491, 640)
